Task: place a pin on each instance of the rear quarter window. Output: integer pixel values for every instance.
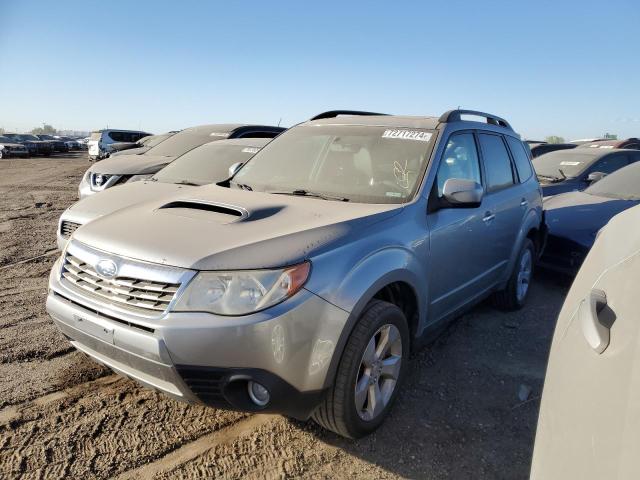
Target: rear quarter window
(521, 159)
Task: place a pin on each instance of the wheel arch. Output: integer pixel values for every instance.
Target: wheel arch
(392, 275)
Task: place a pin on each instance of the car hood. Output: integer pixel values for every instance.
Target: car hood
(131, 151)
(121, 196)
(131, 164)
(578, 216)
(563, 186)
(11, 144)
(216, 228)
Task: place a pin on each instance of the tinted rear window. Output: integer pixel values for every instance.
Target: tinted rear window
(497, 163)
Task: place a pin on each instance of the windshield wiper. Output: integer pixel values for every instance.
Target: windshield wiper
(187, 182)
(564, 177)
(306, 193)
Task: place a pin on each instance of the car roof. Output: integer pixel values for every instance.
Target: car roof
(452, 119)
(242, 142)
(591, 152)
(379, 120)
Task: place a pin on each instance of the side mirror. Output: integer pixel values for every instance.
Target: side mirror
(461, 193)
(595, 177)
(233, 169)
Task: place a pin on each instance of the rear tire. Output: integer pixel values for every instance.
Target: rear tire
(514, 296)
(370, 373)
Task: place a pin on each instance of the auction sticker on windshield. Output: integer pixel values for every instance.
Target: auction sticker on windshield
(407, 135)
(569, 164)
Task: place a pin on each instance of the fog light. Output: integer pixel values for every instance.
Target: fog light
(258, 393)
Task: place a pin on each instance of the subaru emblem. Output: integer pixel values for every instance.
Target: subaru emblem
(107, 268)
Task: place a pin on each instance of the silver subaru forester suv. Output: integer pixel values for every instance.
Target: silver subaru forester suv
(302, 284)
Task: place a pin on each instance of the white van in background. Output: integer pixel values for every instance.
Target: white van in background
(103, 142)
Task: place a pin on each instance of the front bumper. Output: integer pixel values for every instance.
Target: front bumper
(206, 358)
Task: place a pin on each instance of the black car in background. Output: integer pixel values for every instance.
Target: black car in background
(34, 145)
(538, 149)
(568, 170)
(574, 218)
(59, 146)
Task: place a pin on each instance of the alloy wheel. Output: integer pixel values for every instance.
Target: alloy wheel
(379, 372)
(524, 274)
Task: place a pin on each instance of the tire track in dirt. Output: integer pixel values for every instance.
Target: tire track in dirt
(198, 447)
(100, 430)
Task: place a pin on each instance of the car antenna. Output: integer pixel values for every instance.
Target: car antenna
(279, 121)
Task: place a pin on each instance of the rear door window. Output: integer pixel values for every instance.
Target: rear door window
(459, 160)
(497, 163)
(521, 158)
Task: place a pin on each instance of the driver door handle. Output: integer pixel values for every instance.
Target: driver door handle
(523, 202)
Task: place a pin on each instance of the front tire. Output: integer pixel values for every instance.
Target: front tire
(370, 373)
(514, 296)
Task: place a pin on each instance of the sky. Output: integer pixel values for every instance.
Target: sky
(567, 68)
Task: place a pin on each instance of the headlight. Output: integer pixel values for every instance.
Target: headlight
(241, 292)
(139, 178)
(1, 147)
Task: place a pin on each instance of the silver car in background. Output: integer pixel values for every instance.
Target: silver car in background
(301, 285)
(125, 168)
(208, 163)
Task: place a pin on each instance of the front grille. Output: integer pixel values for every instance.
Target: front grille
(206, 383)
(131, 293)
(67, 228)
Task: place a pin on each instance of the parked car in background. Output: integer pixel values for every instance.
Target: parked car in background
(582, 141)
(144, 144)
(72, 143)
(103, 142)
(574, 170)
(12, 148)
(589, 420)
(121, 168)
(302, 284)
(34, 145)
(574, 218)
(629, 143)
(538, 149)
(208, 163)
(58, 146)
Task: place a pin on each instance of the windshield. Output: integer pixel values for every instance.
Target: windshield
(206, 164)
(622, 184)
(367, 164)
(6, 139)
(46, 137)
(182, 142)
(153, 140)
(571, 162)
(29, 137)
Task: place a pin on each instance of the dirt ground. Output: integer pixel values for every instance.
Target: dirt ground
(468, 408)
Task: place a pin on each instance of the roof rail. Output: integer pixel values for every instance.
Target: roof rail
(335, 113)
(454, 116)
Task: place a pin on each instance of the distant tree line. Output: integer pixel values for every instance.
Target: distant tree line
(44, 130)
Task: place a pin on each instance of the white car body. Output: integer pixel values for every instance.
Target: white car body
(589, 422)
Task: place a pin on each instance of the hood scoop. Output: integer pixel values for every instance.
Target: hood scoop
(207, 211)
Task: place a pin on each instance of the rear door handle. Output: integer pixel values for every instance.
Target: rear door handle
(595, 331)
(488, 216)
